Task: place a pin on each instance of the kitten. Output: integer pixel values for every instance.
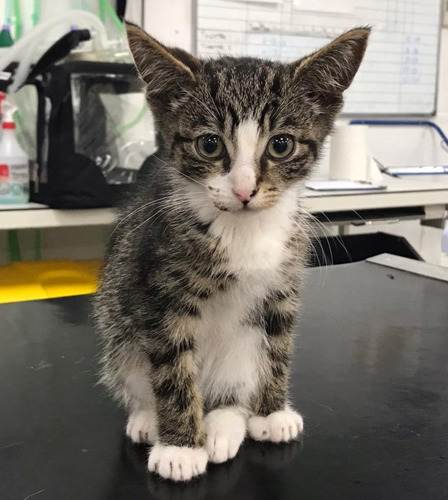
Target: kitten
(199, 292)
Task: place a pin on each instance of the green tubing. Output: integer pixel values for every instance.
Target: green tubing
(105, 6)
(133, 123)
(101, 11)
(8, 12)
(17, 21)
(36, 13)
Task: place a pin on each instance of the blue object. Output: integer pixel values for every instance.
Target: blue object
(445, 240)
(424, 170)
(418, 123)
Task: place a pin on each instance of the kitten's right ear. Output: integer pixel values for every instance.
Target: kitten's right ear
(331, 69)
(160, 67)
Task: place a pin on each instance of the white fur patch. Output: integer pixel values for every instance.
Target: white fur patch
(255, 241)
(142, 426)
(281, 426)
(230, 352)
(178, 463)
(229, 355)
(249, 146)
(248, 149)
(242, 175)
(226, 430)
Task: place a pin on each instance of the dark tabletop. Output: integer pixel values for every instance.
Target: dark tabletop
(370, 377)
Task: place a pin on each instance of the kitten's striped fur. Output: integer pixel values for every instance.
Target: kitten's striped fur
(199, 294)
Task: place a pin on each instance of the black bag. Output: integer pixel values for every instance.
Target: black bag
(77, 164)
(86, 155)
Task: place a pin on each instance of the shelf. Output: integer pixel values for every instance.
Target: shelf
(421, 192)
(50, 218)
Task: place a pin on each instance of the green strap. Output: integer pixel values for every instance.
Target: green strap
(37, 244)
(13, 246)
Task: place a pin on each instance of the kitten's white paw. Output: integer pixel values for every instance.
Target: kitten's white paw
(142, 426)
(178, 463)
(280, 426)
(226, 430)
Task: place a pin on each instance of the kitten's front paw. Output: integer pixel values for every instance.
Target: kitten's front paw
(280, 426)
(226, 430)
(178, 463)
(142, 426)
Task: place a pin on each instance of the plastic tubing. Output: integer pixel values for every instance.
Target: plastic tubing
(27, 45)
(115, 19)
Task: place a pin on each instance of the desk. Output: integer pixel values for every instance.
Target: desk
(369, 376)
(430, 193)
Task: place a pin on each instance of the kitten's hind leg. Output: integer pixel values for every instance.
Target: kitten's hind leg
(225, 429)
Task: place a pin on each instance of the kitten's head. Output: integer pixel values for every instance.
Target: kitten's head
(245, 129)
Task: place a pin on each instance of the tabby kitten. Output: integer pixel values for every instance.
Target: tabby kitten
(199, 293)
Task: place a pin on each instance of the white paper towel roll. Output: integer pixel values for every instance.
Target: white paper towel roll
(349, 154)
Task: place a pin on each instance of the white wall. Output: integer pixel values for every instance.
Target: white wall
(171, 21)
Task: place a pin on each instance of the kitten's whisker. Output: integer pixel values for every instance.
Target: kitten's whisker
(324, 235)
(150, 204)
(178, 171)
(318, 240)
(305, 226)
(160, 211)
(339, 240)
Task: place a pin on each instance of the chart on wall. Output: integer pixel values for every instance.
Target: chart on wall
(399, 72)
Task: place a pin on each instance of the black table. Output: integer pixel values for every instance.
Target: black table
(370, 377)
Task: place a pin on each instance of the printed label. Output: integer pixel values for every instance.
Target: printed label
(4, 172)
(14, 179)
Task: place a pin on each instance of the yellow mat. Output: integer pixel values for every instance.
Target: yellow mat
(47, 279)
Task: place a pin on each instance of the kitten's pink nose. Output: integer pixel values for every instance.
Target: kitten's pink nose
(244, 194)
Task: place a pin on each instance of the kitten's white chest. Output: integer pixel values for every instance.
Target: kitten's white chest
(251, 249)
(254, 243)
(230, 348)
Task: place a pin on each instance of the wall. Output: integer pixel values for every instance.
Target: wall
(171, 21)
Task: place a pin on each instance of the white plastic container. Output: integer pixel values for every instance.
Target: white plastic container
(14, 167)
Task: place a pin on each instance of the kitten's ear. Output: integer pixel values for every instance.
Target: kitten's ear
(160, 67)
(332, 68)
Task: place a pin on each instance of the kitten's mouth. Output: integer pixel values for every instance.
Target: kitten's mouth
(243, 208)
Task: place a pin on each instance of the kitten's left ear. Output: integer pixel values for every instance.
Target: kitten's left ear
(332, 68)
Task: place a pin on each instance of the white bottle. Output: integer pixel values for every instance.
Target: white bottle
(14, 169)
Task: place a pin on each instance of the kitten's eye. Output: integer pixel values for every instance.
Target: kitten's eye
(210, 146)
(280, 146)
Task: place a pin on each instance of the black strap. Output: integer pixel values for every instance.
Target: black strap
(60, 49)
(40, 125)
(121, 8)
(8, 79)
